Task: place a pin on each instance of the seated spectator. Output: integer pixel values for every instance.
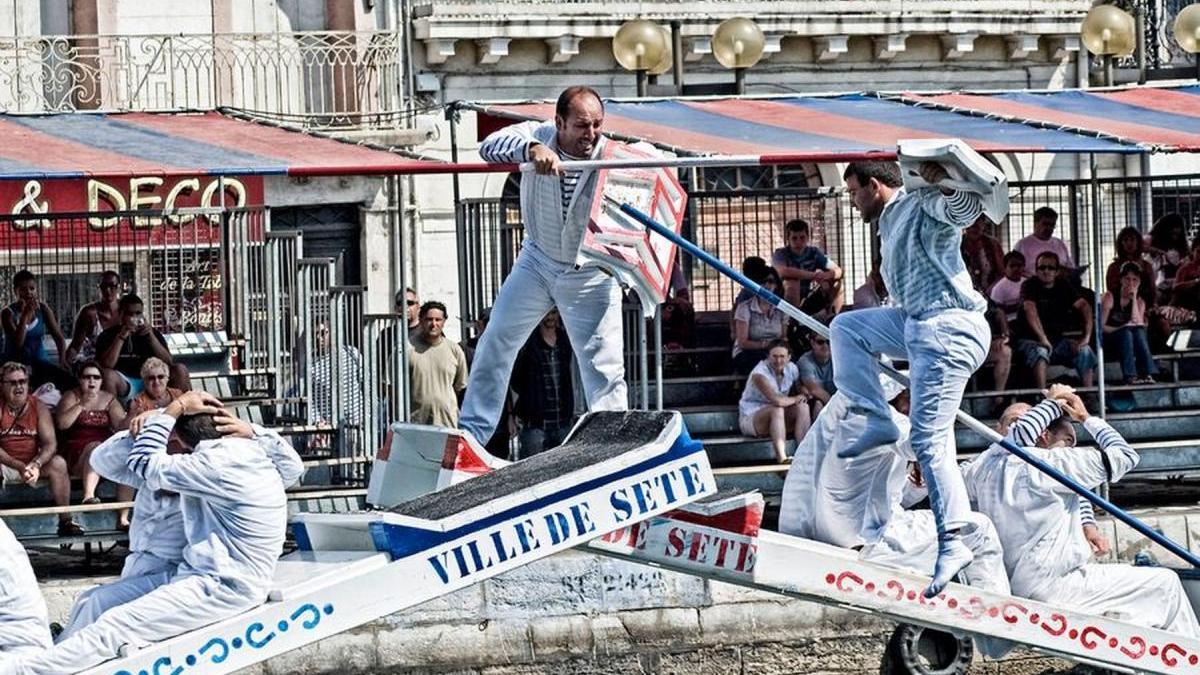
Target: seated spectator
(85, 417)
(122, 350)
(94, 318)
(1130, 248)
(1167, 251)
(753, 268)
(770, 405)
(1186, 289)
(811, 280)
(541, 379)
(873, 292)
(155, 394)
(26, 322)
(437, 371)
(982, 254)
(816, 373)
(1046, 304)
(756, 323)
(1045, 219)
(28, 448)
(1123, 320)
(1006, 292)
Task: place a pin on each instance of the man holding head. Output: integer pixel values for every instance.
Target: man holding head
(936, 323)
(234, 511)
(555, 207)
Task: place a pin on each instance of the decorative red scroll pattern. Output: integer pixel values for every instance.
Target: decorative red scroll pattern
(1056, 625)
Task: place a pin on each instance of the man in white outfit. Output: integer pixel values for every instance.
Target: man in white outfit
(156, 535)
(936, 323)
(234, 517)
(555, 206)
(857, 502)
(23, 627)
(1038, 520)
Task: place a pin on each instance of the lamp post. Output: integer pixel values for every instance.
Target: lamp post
(738, 44)
(1108, 31)
(1187, 32)
(639, 46)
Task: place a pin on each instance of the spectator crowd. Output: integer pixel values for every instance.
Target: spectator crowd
(1040, 312)
(55, 411)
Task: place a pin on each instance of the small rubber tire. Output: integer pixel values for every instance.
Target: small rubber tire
(914, 650)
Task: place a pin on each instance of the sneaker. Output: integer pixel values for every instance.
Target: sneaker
(69, 528)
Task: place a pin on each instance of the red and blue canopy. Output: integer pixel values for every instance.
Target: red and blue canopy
(1159, 119)
(1128, 120)
(73, 145)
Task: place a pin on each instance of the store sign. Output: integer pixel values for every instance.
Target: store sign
(96, 198)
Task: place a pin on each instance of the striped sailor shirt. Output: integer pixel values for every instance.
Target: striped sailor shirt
(920, 232)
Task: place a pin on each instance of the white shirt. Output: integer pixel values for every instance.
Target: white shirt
(23, 624)
(844, 502)
(233, 503)
(156, 534)
(1037, 518)
(753, 399)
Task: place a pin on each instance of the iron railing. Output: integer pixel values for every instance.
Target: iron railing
(315, 79)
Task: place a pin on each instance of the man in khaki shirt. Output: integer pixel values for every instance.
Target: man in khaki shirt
(437, 368)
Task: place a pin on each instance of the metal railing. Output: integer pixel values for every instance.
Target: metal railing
(318, 79)
(384, 338)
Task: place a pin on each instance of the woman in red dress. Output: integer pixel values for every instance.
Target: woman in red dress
(85, 417)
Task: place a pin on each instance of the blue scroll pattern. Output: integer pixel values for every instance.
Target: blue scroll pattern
(254, 636)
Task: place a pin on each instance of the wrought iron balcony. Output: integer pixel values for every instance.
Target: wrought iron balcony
(310, 79)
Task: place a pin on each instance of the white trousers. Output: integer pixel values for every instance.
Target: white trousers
(92, 603)
(909, 542)
(589, 302)
(943, 350)
(1146, 596)
(173, 609)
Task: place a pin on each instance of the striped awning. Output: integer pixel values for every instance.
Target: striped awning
(1161, 119)
(813, 128)
(74, 145)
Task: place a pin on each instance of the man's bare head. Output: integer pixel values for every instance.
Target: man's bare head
(1010, 415)
(578, 116)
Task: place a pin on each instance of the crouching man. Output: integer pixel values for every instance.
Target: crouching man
(1038, 521)
(234, 516)
(156, 537)
(856, 502)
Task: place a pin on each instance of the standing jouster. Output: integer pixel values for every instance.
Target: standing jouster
(555, 206)
(936, 323)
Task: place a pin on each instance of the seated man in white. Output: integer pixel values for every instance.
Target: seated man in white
(856, 502)
(234, 517)
(156, 535)
(23, 627)
(1038, 521)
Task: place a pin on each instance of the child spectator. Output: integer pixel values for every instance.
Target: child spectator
(813, 281)
(769, 407)
(26, 322)
(816, 373)
(1130, 248)
(756, 323)
(122, 350)
(1006, 293)
(1123, 317)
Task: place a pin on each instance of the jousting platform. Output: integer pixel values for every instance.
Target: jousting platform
(628, 485)
(616, 469)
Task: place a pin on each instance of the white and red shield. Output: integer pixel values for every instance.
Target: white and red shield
(640, 259)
